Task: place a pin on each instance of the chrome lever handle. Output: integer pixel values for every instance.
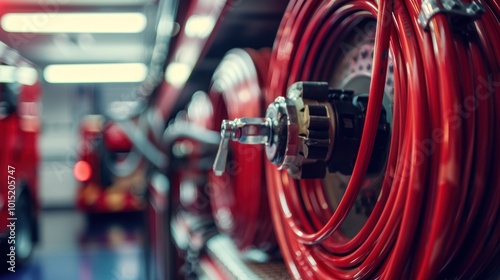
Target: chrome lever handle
(243, 130)
(226, 133)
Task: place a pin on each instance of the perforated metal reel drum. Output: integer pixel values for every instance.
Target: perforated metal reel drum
(239, 199)
(352, 71)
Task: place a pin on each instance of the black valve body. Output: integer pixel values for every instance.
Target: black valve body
(350, 113)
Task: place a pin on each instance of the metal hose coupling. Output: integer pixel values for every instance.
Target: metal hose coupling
(243, 130)
(313, 129)
(297, 131)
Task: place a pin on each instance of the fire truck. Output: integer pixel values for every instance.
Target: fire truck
(19, 157)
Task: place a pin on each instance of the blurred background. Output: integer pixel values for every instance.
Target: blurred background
(118, 167)
(64, 104)
(74, 243)
(98, 63)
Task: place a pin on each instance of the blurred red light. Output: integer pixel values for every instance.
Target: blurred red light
(82, 171)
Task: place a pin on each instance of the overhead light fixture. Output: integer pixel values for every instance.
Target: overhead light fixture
(23, 75)
(27, 75)
(177, 73)
(74, 22)
(199, 26)
(7, 74)
(95, 73)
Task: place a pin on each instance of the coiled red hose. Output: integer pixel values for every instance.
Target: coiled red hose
(239, 197)
(437, 212)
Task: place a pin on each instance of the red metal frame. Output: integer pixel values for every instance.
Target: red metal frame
(188, 50)
(161, 108)
(157, 239)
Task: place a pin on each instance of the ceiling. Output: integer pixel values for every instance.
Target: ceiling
(44, 49)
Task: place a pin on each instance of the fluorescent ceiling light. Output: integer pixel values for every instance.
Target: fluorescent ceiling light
(177, 73)
(74, 22)
(7, 74)
(23, 75)
(95, 73)
(27, 75)
(199, 26)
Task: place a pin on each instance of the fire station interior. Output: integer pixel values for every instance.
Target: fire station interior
(235, 139)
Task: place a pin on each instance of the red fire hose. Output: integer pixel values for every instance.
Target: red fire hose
(238, 197)
(435, 212)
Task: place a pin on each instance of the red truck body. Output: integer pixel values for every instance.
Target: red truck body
(20, 94)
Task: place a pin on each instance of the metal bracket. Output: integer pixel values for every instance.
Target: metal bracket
(454, 8)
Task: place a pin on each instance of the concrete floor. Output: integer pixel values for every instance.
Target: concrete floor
(74, 246)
